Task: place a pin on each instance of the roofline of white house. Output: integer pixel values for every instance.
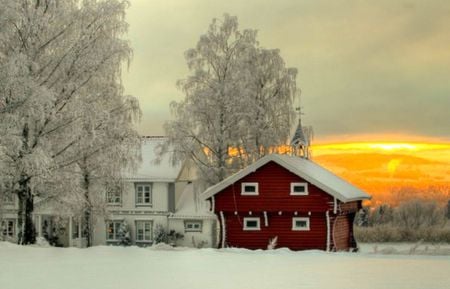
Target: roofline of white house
(211, 191)
(151, 180)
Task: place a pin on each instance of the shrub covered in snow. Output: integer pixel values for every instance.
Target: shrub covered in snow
(124, 234)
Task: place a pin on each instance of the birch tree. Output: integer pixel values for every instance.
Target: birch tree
(57, 58)
(238, 102)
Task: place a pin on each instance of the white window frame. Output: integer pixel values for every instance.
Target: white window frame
(244, 193)
(257, 219)
(304, 184)
(5, 232)
(116, 237)
(114, 194)
(137, 197)
(295, 228)
(193, 226)
(144, 239)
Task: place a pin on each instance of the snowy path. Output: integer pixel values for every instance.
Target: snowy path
(129, 268)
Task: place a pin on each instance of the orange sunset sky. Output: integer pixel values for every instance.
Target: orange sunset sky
(381, 168)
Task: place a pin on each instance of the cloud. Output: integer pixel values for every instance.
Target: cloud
(364, 66)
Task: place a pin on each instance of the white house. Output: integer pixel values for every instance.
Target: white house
(156, 196)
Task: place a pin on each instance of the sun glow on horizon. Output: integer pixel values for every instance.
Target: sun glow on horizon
(383, 146)
(383, 167)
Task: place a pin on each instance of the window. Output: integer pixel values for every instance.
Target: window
(113, 230)
(300, 224)
(193, 226)
(299, 189)
(75, 228)
(252, 224)
(8, 228)
(144, 231)
(114, 194)
(249, 189)
(8, 196)
(143, 194)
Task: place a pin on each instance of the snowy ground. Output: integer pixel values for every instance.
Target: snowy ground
(132, 267)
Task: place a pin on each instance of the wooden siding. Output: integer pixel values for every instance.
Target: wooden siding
(350, 207)
(274, 194)
(280, 226)
(340, 233)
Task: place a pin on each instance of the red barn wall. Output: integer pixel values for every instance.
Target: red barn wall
(280, 226)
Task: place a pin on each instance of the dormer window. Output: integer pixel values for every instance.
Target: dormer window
(249, 189)
(299, 189)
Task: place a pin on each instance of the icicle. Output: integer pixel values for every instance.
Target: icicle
(327, 214)
(213, 204)
(334, 206)
(266, 219)
(222, 222)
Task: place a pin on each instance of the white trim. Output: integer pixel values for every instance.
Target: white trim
(305, 169)
(327, 215)
(213, 204)
(266, 219)
(258, 223)
(334, 206)
(295, 228)
(303, 184)
(244, 193)
(222, 222)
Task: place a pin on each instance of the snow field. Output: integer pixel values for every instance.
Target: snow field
(131, 267)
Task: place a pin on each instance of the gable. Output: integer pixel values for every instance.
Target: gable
(303, 168)
(150, 169)
(274, 193)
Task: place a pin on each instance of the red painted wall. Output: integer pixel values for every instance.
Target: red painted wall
(280, 226)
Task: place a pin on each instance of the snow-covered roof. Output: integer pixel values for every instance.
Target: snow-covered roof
(306, 169)
(149, 170)
(190, 205)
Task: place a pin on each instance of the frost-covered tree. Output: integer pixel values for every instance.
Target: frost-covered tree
(60, 96)
(238, 102)
(269, 91)
(109, 144)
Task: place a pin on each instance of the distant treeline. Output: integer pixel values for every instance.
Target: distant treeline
(397, 196)
(412, 220)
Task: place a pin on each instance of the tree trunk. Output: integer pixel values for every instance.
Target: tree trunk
(87, 212)
(27, 232)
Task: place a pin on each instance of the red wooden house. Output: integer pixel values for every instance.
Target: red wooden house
(302, 204)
